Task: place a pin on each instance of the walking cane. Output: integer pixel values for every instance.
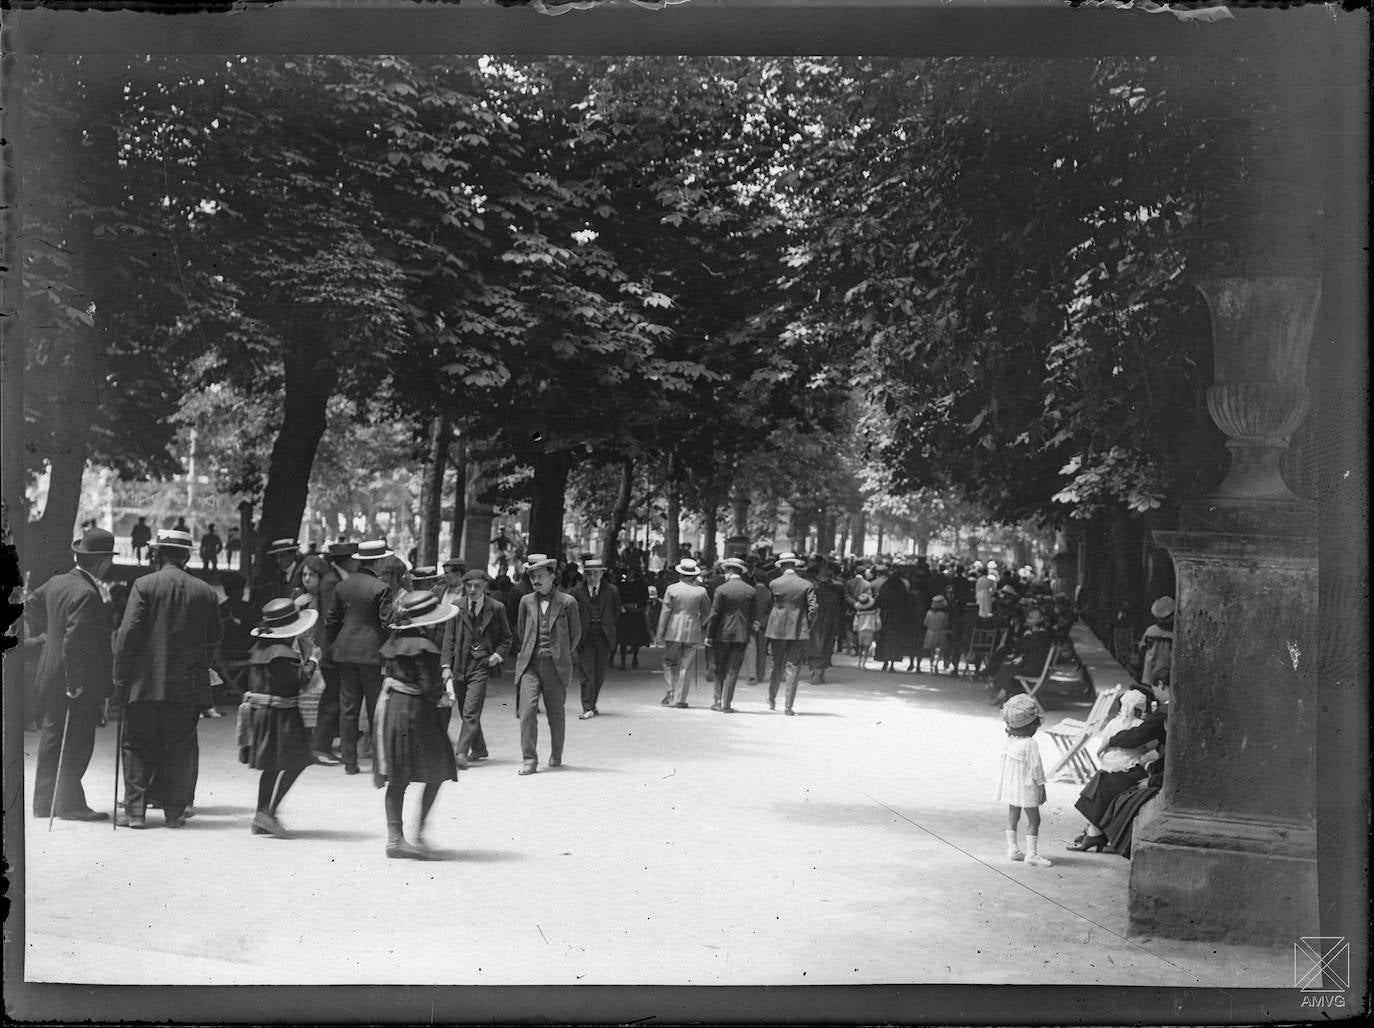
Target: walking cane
(61, 752)
(119, 759)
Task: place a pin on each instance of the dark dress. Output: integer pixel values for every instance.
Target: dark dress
(830, 612)
(1096, 799)
(412, 729)
(901, 634)
(277, 739)
(632, 630)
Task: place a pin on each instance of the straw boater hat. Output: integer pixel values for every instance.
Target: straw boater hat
(788, 560)
(282, 619)
(420, 608)
(175, 538)
(733, 564)
(592, 565)
(1019, 711)
(373, 549)
(427, 574)
(282, 546)
(865, 601)
(687, 568)
(1162, 608)
(535, 561)
(95, 542)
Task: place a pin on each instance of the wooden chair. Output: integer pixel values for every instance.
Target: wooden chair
(1032, 685)
(1076, 761)
(980, 646)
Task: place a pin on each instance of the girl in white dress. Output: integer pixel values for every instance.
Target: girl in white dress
(1022, 782)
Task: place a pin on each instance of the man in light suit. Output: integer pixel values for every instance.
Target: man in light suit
(549, 627)
(681, 630)
(729, 628)
(162, 656)
(74, 675)
(476, 641)
(355, 628)
(598, 603)
(789, 628)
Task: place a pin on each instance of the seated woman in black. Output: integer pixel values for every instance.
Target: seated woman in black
(271, 734)
(412, 715)
(1098, 800)
(1032, 647)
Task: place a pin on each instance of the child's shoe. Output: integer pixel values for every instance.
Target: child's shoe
(1033, 857)
(1013, 850)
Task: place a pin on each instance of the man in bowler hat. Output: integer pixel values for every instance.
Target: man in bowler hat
(598, 604)
(162, 656)
(74, 675)
(549, 628)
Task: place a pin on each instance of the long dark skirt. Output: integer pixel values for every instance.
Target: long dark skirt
(1119, 821)
(417, 746)
(1102, 788)
(631, 629)
(278, 741)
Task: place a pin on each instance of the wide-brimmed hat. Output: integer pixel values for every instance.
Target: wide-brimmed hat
(535, 561)
(338, 551)
(425, 574)
(788, 560)
(687, 568)
(282, 619)
(865, 601)
(173, 537)
(476, 575)
(939, 601)
(95, 542)
(282, 546)
(1019, 711)
(733, 564)
(420, 608)
(373, 549)
(1162, 608)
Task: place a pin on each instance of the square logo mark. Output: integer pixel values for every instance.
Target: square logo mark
(1321, 964)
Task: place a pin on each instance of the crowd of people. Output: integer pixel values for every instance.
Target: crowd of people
(410, 651)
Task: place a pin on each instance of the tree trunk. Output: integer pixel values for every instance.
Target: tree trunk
(672, 526)
(546, 508)
(711, 520)
(610, 547)
(461, 470)
(880, 538)
(310, 378)
(859, 532)
(432, 490)
(739, 524)
(922, 541)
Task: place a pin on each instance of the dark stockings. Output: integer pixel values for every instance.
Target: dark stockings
(273, 787)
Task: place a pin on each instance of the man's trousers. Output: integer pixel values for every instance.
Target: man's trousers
(327, 719)
(67, 795)
(470, 692)
(677, 667)
(358, 683)
(728, 658)
(788, 655)
(592, 661)
(159, 741)
(540, 679)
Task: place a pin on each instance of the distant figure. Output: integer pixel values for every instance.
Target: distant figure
(181, 526)
(232, 547)
(140, 537)
(210, 546)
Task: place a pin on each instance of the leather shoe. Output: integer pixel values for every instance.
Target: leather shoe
(715, 706)
(461, 761)
(586, 715)
(727, 710)
(680, 706)
(790, 712)
(124, 820)
(527, 769)
(177, 822)
(555, 762)
(352, 769)
(326, 759)
(476, 757)
(84, 815)
(263, 822)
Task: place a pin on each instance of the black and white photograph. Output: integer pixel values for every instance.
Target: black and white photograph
(815, 512)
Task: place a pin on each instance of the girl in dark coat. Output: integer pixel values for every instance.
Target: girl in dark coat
(412, 744)
(271, 733)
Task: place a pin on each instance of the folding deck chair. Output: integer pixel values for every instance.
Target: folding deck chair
(1032, 685)
(1071, 735)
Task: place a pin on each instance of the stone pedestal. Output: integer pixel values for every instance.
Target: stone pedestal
(1231, 851)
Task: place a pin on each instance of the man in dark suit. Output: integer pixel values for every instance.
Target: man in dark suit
(598, 603)
(763, 605)
(549, 627)
(162, 657)
(355, 628)
(795, 607)
(729, 627)
(476, 641)
(327, 716)
(74, 675)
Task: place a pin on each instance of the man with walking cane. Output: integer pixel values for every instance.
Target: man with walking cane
(163, 653)
(74, 676)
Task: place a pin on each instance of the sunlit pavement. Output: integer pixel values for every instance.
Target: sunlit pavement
(855, 843)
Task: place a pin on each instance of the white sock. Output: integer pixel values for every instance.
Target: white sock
(1033, 856)
(1013, 850)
